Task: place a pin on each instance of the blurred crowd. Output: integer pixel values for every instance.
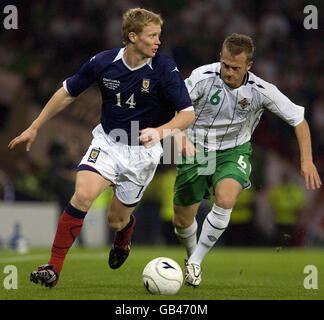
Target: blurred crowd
(55, 37)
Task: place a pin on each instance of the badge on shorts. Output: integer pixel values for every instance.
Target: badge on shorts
(94, 155)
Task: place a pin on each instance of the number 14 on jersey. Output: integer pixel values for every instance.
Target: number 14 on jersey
(130, 101)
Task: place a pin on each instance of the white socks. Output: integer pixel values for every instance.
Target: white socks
(214, 225)
(188, 237)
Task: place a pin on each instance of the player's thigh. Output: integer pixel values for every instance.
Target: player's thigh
(184, 215)
(227, 191)
(88, 186)
(232, 175)
(190, 187)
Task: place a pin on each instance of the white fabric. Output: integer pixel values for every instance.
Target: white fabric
(130, 168)
(188, 237)
(213, 227)
(220, 115)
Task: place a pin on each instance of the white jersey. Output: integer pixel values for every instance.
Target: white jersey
(226, 117)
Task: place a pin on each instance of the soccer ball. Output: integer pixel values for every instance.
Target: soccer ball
(162, 276)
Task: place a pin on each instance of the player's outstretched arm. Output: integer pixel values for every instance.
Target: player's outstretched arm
(308, 169)
(57, 103)
(182, 120)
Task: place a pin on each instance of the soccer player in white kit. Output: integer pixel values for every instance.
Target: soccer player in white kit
(228, 100)
(142, 92)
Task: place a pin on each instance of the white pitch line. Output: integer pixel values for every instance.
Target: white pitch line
(85, 256)
(23, 258)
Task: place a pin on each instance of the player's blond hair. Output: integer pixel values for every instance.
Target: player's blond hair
(238, 43)
(134, 20)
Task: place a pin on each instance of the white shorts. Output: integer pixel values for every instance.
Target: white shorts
(129, 168)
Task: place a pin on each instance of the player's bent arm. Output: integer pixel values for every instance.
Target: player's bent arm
(60, 99)
(308, 169)
(181, 121)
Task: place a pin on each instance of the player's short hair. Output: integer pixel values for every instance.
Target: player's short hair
(238, 43)
(134, 20)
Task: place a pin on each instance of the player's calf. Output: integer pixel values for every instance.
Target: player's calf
(121, 246)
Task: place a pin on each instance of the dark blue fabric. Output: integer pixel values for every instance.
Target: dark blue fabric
(148, 96)
(74, 212)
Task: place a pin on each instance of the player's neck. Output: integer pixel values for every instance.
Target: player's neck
(238, 84)
(133, 58)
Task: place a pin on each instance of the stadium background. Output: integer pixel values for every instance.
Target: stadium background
(55, 37)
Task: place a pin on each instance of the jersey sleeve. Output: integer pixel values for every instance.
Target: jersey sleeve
(192, 84)
(82, 79)
(174, 88)
(281, 105)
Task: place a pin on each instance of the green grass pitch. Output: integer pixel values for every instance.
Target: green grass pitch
(228, 274)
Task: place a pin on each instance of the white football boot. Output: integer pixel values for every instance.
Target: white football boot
(192, 274)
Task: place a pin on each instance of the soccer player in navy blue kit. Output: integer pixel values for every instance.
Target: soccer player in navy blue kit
(144, 98)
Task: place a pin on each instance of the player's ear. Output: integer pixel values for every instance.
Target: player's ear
(132, 37)
(249, 65)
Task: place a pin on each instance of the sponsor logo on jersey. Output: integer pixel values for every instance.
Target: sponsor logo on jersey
(94, 155)
(111, 84)
(244, 103)
(145, 85)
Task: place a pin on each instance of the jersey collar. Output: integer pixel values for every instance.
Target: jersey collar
(120, 55)
(245, 81)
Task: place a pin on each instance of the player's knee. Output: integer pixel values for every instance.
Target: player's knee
(82, 199)
(225, 201)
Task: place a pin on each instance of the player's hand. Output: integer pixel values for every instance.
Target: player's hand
(312, 178)
(185, 146)
(188, 149)
(149, 137)
(27, 136)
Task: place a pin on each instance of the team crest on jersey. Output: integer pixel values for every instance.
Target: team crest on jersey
(94, 155)
(244, 103)
(145, 85)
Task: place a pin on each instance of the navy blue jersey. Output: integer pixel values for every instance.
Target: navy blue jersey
(149, 94)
